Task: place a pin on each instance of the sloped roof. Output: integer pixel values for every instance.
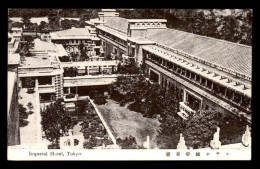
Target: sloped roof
(117, 23)
(229, 55)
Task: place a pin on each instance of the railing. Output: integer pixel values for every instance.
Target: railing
(185, 108)
(211, 91)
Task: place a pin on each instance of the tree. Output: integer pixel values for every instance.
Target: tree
(23, 115)
(83, 54)
(54, 19)
(43, 26)
(26, 19)
(201, 128)
(70, 72)
(30, 107)
(30, 85)
(56, 122)
(100, 99)
(127, 143)
(231, 129)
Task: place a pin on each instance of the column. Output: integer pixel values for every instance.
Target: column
(69, 90)
(102, 69)
(184, 95)
(241, 100)
(206, 82)
(225, 92)
(88, 69)
(212, 86)
(200, 80)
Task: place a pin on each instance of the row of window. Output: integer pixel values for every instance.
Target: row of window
(217, 89)
(118, 40)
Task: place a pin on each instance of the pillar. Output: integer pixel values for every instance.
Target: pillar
(184, 95)
(88, 69)
(69, 90)
(241, 100)
(225, 92)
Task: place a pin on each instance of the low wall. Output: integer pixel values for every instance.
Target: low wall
(103, 122)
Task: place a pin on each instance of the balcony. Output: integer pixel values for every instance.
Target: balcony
(46, 88)
(185, 108)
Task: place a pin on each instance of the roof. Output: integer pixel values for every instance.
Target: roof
(40, 45)
(229, 55)
(13, 58)
(73, 33)
(199, 70)
(117, 23)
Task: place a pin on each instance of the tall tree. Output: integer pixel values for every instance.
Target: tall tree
(26, 19)
(55, 122)
(201, 128)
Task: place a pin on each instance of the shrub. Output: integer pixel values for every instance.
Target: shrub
(100, 99)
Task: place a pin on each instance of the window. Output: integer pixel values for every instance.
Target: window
(46, 80)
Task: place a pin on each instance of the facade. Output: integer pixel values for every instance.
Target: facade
(71, 39)
(210, 73)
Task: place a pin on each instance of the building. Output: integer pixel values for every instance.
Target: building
(45, 70)
(12, 101)
(210, 73)
(73, 38)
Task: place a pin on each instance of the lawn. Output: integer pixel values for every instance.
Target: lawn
(124, 122)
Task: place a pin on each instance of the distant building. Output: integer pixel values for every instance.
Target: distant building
(72, 38)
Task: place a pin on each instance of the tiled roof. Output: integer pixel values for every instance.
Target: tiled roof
(117, 23)
(229, 55)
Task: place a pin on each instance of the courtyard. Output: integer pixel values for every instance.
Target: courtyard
(124, 122)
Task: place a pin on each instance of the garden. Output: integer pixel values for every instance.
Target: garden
(153, 101)
(56, 122)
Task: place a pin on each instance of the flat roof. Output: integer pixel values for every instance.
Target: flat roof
(13, 58)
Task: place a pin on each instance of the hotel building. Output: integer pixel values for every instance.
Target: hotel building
(209, 73)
